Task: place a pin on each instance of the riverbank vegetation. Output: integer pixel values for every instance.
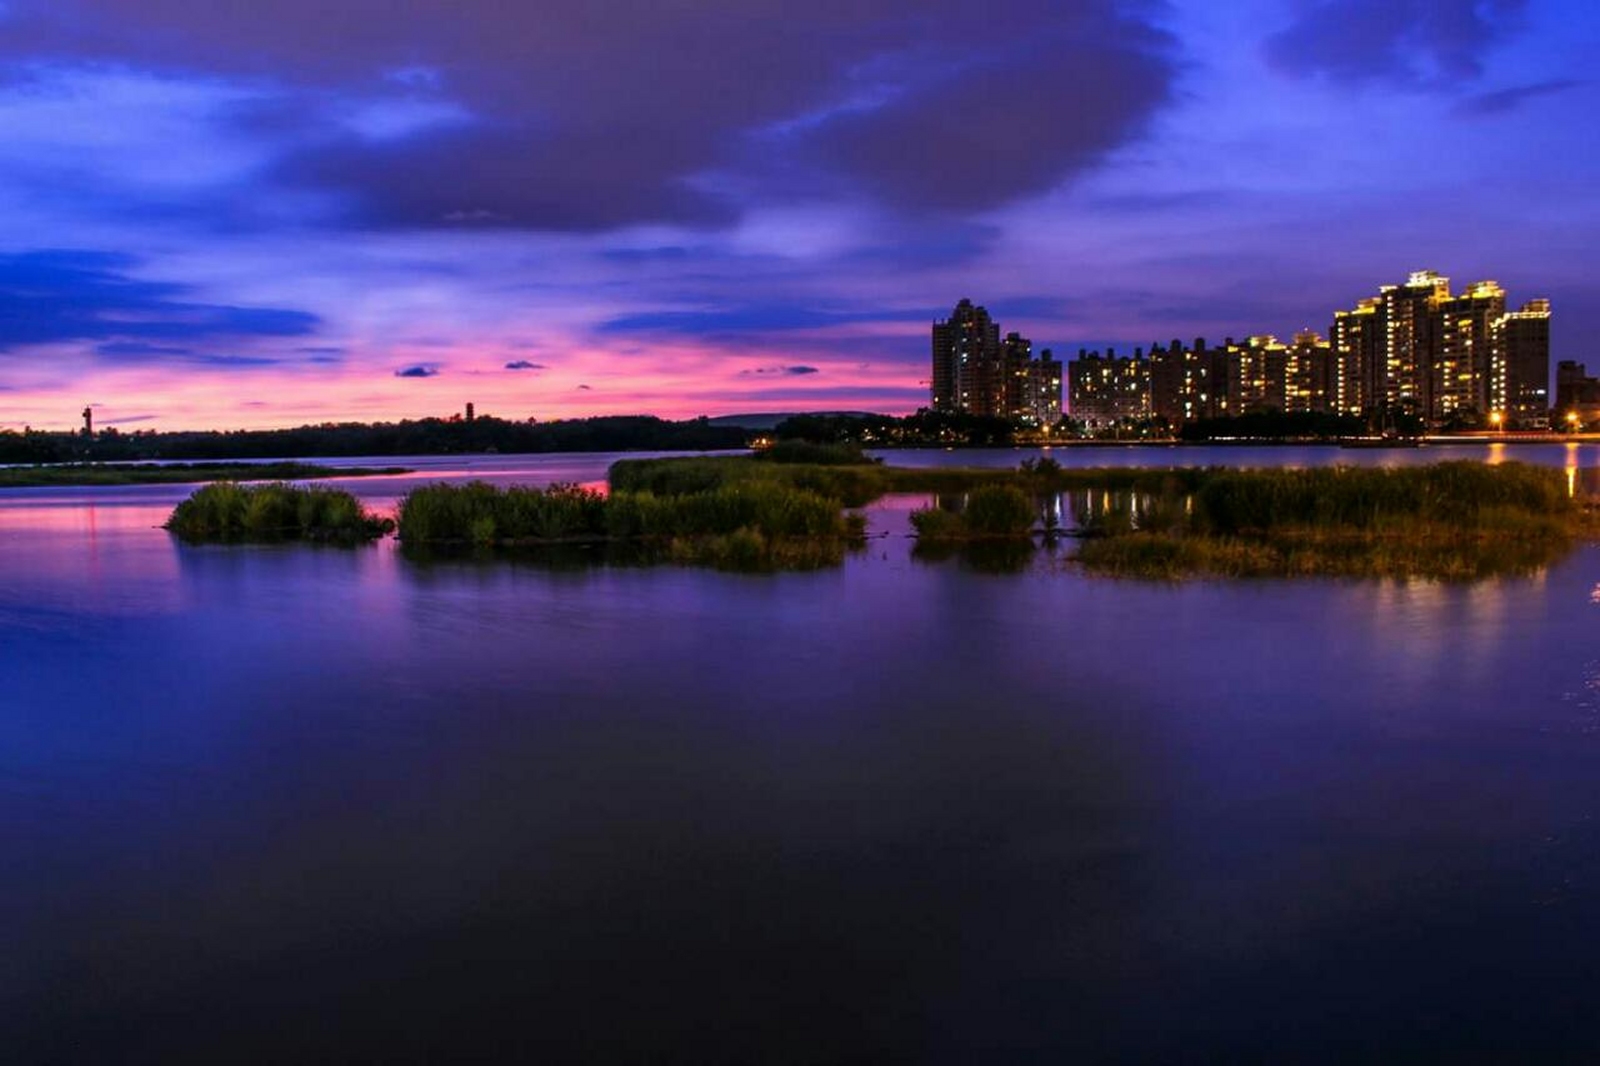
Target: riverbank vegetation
(792, 508)
(15, 477)
(227, 511)
(1448, 521)
(1451, 520)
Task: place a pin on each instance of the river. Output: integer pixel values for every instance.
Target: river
(294, 803)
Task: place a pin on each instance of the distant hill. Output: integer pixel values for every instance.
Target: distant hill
(770, 419)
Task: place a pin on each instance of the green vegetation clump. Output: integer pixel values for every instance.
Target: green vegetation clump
(480, 513)
(999, 511)
(937, 523)
(744, 525)
(990, 511)
(226, 511)
(176, 473)
(1462, 494)
(854, 484)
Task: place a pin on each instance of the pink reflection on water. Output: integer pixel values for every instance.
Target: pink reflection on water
(73, 555)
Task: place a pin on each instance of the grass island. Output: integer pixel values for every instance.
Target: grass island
(795, 506)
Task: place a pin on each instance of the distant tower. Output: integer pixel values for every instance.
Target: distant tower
(88, 421)
(471, 414)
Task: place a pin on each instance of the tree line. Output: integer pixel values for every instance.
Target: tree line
(428, 436)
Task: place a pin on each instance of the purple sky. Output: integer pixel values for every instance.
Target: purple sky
(227, 212)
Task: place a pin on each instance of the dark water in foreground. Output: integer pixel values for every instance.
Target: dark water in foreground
(299, 804)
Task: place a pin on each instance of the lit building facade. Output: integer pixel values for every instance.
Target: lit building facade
(1519, 374)
(1042, 400)
(1358, 338)
(1422, 349)
(1105, 389)
(1188, 383)
(1309, 372)
(976, 372)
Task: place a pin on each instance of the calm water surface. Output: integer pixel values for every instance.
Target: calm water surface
(309, 804)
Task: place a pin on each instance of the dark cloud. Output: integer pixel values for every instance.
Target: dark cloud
(750, 318)
(138, 351)
(906, 396)
(523, 364)
(420, 370)
(584, 388)
(597, 114)
(1023, 117)
(128, 418)
(1503, 100)
(793, 371)
(1421, 42)
(59, 296)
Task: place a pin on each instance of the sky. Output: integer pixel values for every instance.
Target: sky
(225, 213)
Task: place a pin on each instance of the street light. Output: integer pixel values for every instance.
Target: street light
(1572, 421)
(1497, 420)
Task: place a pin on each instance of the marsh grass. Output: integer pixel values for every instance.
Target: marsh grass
(228, 511)
(1421, 552)
(1455, 521)
(989, 511)
(854, 485)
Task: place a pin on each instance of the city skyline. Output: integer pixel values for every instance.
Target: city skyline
(238, 217)
(1415, 348)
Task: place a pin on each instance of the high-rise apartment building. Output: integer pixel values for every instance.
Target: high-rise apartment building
(1016, 351)
(1418, 348)
(976, 372)
(1188, 383)
(1461, 353)
(1309, 375)
(1519, 373)
(966, 358)
(1042, 406)
(1409, 328)
(1358, 340)
(1104, 389)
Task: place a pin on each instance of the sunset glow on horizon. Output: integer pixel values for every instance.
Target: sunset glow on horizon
(230, 216)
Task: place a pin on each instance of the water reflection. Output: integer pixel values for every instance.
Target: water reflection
(1004, 556)
(86, 558)
(325, 805)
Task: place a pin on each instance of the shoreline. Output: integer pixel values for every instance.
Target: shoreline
(70, 475)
